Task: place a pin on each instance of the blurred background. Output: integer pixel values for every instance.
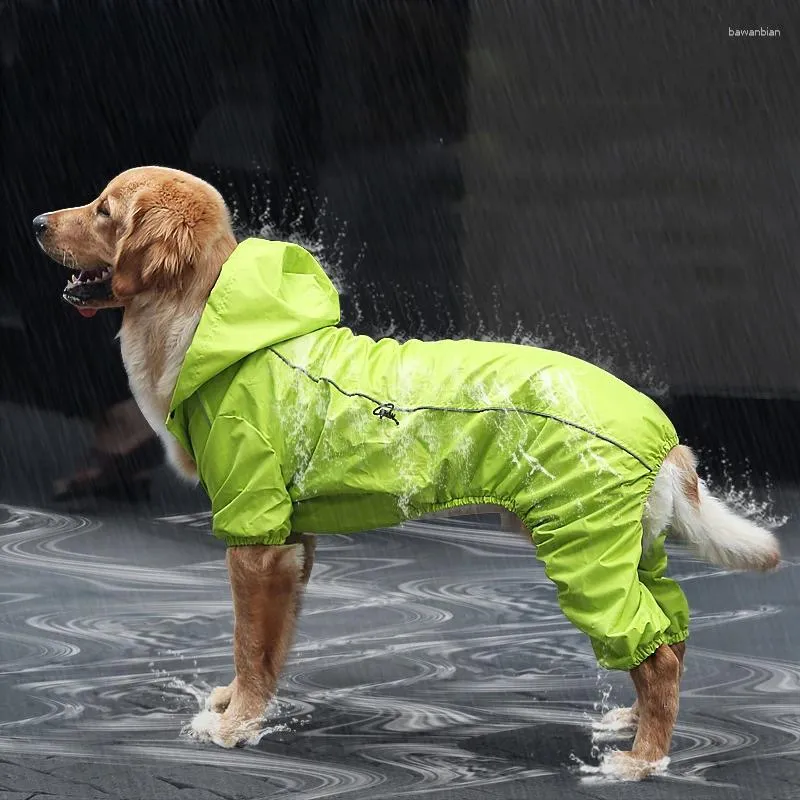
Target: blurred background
(617, 180)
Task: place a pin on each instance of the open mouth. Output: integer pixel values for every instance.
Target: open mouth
(87, 288)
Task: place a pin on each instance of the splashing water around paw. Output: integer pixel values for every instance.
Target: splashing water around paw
(616, 723)
(616, 766)
(211, 726)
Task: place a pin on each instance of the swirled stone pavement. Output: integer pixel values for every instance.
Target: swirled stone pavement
(431, 660)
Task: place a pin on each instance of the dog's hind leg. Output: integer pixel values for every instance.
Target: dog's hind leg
(680, 652)
(651, 572)
(657, 681)
(628, 608)
(620, 722)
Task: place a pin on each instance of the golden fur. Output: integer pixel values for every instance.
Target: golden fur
(166, 234)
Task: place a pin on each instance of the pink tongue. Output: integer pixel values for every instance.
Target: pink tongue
(87, 312)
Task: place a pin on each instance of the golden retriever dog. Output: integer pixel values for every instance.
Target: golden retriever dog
(154, 243)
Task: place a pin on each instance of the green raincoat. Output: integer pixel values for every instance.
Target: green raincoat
(297, 424)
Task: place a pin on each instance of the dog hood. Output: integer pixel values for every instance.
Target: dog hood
(268, 292)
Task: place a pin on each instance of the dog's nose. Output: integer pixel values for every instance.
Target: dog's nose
(40, 224)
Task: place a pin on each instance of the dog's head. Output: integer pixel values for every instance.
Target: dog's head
(152, 230)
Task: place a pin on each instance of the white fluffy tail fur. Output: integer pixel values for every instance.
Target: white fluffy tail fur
(711, 529)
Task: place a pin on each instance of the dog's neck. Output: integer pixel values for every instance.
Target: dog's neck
(155, 337)
(157, 330)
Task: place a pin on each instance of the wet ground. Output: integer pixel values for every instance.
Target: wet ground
(431, 660)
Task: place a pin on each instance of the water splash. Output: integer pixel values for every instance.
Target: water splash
(615, 767)
(737, 487)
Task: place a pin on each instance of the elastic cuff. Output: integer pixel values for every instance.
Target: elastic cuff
(645, 651)
(677, 638)
(248, 541)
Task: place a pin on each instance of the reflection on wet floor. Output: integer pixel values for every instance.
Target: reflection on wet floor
(431, 657)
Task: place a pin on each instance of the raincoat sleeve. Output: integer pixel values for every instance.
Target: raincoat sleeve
(241, 473)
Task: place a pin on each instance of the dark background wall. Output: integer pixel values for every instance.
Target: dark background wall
(637, 167)
(619, 181)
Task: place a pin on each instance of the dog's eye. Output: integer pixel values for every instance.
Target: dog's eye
(103, 210)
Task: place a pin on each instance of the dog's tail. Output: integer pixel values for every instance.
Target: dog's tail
(711, 529)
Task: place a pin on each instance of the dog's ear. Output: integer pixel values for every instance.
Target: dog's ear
(158, 245)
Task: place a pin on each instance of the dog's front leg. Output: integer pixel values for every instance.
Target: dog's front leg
(265, 581)
(219, 699)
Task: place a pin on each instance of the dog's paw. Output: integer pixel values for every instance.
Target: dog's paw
(219, 699)
(624, 766)
(224, 730)
(617, 723)
(204, 726)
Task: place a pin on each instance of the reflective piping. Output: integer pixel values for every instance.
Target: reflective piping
(381, 406)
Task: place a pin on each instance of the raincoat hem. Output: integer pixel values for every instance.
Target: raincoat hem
(669, 444)
(645, 651)
(244, 541)
(677, 638)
